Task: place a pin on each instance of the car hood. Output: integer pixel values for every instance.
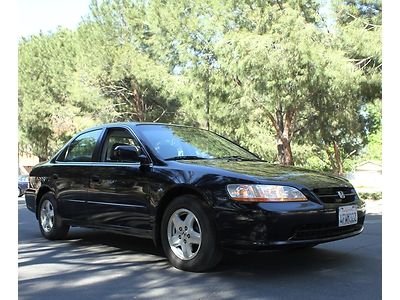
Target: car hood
(261, 170)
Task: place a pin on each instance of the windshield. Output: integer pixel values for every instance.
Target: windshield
(176, 142)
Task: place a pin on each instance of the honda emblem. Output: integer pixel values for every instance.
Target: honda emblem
(341, 195)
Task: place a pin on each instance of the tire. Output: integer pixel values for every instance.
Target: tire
(199, 252)
(19, 192)
(50, 223)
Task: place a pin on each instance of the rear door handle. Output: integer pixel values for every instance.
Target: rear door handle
(55, 176)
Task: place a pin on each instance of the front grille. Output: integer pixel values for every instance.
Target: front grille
(331, 195)
(319, 231)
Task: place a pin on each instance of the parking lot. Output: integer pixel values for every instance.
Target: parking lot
(100, 265)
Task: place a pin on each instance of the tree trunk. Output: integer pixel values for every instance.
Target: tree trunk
(42, 158)
(139, 107)
(45, 155)
(338, 159)
(335, 159)
(285, 152)
(283, 124)
(331, 159)
(207, 100)
(207, 111)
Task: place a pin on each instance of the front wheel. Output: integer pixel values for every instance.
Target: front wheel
(188, 235)
(50, 223)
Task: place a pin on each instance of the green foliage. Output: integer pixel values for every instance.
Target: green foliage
(311, 157)
(122, 67)
(45, 65)
(264, 73)
(53, 105)
(374, 147)
(370, 196)
(369, 11)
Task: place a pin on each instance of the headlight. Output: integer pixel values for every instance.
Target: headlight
(264, 193)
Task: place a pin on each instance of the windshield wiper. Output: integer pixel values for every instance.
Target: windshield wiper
(238, 158)
(183, 157)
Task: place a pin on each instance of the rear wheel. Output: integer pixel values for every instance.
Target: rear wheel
(50, 223)
(188, 235)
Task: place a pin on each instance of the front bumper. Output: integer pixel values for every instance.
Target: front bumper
(275, 225)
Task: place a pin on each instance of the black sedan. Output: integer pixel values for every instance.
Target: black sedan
(191, 191)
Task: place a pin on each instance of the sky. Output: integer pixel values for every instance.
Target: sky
(47, 15)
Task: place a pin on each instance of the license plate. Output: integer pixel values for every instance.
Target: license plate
(347, 215)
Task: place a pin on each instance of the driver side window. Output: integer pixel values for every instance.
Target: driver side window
(117, 137)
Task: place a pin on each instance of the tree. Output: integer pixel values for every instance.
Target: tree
(122, 68)
(184, 34)
(261, 72)
(45, 65)
(53, 105)
(358, 35)
(284, 73)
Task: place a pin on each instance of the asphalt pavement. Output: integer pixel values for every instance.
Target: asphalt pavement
(100, 265)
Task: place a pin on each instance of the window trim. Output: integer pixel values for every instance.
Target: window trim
(134, 136)
(99, 146)
(107, 131)
(64, 151)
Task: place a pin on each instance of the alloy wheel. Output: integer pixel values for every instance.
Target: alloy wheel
(184, 234)
(47, 216)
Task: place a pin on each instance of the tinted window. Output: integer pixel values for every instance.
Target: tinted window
(172, 142)
(82, 148)
(117, 137)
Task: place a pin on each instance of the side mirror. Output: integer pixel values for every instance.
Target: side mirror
(126, 153)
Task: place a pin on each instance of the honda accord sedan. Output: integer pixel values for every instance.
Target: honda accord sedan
(191, 191)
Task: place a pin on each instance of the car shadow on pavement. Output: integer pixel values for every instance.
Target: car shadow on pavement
(103, 265)
(93, 245)
(282, 262)
(87, 247)
(92, 264)
(87, 237)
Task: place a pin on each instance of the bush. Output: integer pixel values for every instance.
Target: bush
(370, 196)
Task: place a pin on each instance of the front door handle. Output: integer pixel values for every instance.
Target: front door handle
(55, 176)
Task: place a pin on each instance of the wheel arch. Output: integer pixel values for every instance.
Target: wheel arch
(43, 190)
(170, 195)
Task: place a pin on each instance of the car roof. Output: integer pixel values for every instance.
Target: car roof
(129, 124)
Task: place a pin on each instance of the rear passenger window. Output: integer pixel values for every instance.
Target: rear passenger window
(82, 148)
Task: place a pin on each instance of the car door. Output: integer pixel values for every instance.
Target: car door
(118, 194)
(70, 174)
